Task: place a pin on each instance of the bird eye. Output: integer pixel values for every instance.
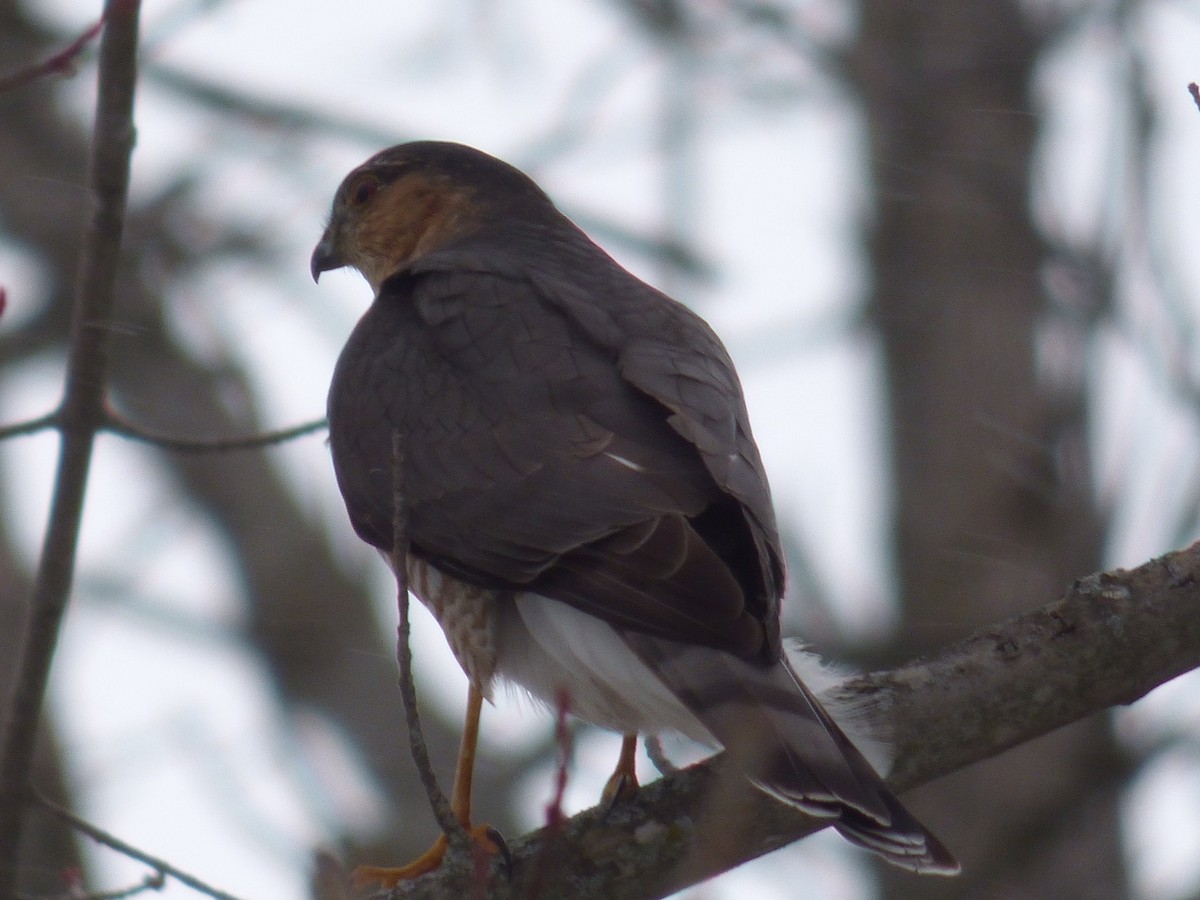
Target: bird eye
(363, 191)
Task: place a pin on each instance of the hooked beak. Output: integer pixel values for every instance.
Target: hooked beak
(325, 256)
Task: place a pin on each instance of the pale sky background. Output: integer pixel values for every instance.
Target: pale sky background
(172, 737)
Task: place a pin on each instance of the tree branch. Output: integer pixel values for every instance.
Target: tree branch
(152, 881)
(1111, 639)
(30, 426)
(60, 63)
(117, 424)
(161, 867)
(451, 827)
(79, 417)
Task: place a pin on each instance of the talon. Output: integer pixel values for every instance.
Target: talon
(390, 876)
(501, 847)
(484, 840)
(619, 788)
(623, 783)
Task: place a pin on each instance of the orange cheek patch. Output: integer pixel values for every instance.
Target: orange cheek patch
(407, 220)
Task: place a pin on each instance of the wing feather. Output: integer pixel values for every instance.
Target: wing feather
(533, 459)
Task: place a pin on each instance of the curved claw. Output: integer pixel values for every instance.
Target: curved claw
(500, 845)
(620, 787)
(623, 783)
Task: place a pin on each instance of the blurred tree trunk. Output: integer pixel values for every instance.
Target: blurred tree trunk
(49, 850)
(54, 225)
(992, 507)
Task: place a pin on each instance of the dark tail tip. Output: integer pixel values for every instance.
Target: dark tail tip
(904, 842)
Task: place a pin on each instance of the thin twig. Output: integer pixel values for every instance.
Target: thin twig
(80, 415)
(60, 63)
(154, 881)
(119, 425)
(31, 426)
(103, 837)
(1194, 90)
(446, 819)
(562, 736)
(554, 810)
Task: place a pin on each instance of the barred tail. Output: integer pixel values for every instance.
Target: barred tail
(791, 748)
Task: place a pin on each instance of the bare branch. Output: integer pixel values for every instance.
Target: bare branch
(1194, 90)
(562, 737)
(103, 837)
(555, 819)
(61, 63)
(117, 424)
(79, 417)
(31, 426)
(1112, 638)
(451, 827)
(154, 881)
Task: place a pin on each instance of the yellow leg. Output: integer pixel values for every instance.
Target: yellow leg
(464, 772)
(623, 782)
(482, 836)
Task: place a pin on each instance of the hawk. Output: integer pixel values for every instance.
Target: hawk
(587, 513)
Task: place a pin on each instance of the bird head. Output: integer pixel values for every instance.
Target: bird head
(412, 199)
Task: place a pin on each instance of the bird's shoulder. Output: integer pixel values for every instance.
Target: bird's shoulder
(549, 287)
